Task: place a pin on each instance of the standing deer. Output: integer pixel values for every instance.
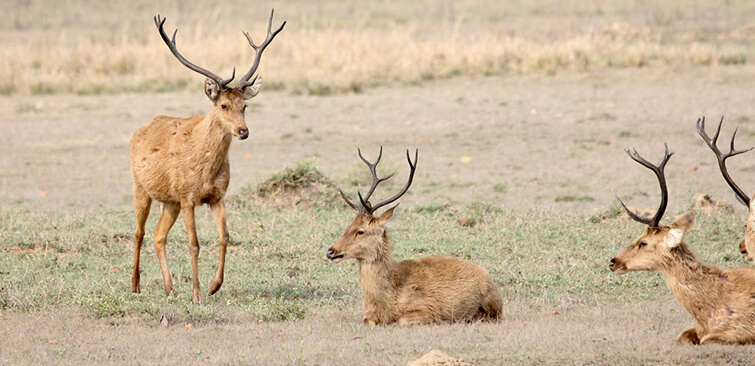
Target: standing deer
(722, 301)
(747, 246)
(183, 162)
(414, 291)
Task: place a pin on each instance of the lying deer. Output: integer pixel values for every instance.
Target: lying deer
(747, 245)
(183, 162)
(415, 291)
(722, 301)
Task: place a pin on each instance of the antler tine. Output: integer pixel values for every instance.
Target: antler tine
(258, 50)
(659, 173)
(721, 157)
(348, 200)
(634, 216)
(373, 171)
(412, 169)
(171, 43)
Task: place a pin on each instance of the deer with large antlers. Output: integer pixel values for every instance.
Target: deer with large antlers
(722, 301)
(747, 245)
(428, 290)
(183, 162)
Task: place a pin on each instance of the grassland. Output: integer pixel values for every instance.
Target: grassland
(80, 263)
(336, 46)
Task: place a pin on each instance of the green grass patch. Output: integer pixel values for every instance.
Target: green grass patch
(276, 268)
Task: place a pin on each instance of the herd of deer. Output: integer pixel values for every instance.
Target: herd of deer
(183, 162)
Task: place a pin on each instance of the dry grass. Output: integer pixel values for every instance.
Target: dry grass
(343, 47)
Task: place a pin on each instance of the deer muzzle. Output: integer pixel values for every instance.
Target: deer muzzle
(334, 256)
(617, 265)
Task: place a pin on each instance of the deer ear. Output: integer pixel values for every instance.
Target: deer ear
(211, 89)
(684, 221)
(387, 215)
(679, 228)
(251, 91)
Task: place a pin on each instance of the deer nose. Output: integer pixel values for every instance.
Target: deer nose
(613, 264)
(330, 253)
(243, 133)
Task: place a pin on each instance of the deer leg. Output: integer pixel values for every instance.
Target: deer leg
(167, 219)
(414, 318)
(187, 211)
(720, 338)
(142, 203)
(688, 336)
(218, 212)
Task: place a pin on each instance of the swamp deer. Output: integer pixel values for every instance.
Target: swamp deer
(747, 245)
(722, 301)
(414, 291)
(183, 162)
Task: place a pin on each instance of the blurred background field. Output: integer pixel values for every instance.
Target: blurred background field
(93, 47)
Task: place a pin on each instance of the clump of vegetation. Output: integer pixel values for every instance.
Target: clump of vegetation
(611, 213)
(302, 184)
(279, 309)
(476, 213)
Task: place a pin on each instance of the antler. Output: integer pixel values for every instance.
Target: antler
(658, 170)
(171, 43)
(245, 82)
(712, 143)
(367, 208)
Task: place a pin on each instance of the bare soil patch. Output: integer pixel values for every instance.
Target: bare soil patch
(636, 332)
(521, 142)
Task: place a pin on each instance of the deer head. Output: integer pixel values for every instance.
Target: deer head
(655, 246)
(365, 238)
(229, 104)
(749, 239)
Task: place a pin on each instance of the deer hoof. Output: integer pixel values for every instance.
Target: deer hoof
(688, 336)
(215, 287)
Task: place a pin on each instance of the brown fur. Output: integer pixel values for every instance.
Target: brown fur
(722, 301)
(183, 162)
(428, 290)
(747, 246)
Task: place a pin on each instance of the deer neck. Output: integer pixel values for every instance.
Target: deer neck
(378, 278)
(211, 142)
(695, 285)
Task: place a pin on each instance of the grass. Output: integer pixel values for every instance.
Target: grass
(277, 271)
(327, 50)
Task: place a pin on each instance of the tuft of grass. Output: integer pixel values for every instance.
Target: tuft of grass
(303, 175)
(573, 198)
(301, 184)
(500, 187)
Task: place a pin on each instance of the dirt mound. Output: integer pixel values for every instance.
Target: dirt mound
(705, 204)
(303, 184)
(438, 358)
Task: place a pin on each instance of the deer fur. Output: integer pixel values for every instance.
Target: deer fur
(428, 290)
(183, 163)
(722, 301)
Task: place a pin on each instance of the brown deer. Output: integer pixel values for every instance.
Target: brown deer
(722, 301)
(747, 245)
(415, 291)
(183, 162)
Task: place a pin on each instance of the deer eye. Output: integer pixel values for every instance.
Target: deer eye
(224, 106)
(642, 244)
(360, 232)
(243, 109)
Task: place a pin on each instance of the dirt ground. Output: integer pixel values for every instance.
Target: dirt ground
(639, 333)
(524, 142)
